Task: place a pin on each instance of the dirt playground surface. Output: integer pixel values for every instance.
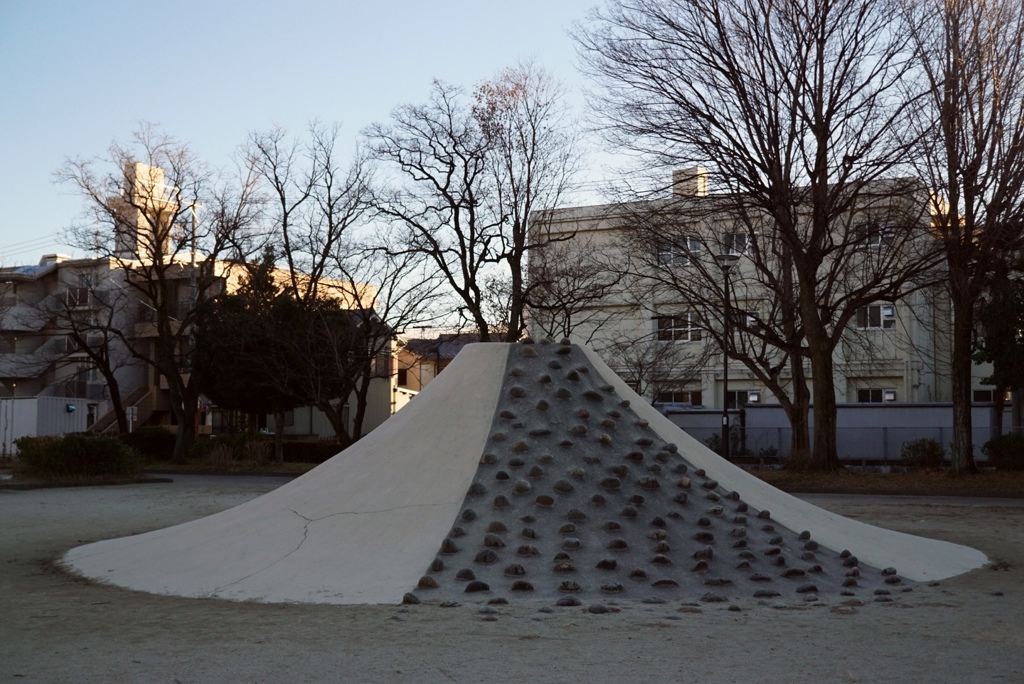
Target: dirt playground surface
(59, 628)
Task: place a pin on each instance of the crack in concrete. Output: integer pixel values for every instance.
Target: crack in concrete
(381, 510)
(305, 535)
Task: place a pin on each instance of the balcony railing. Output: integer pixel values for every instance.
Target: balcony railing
(148, 314)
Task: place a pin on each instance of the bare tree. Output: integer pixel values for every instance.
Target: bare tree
(795, 107)
(316, 211)
(672, 244)
(569, 282)
(652, 366)
(94, 318)
(472, 170)
(167, 223)
(404, 294)
(313, 203)
(533, 156)
(972, 154)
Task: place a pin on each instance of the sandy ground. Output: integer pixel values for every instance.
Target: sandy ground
(58, 628)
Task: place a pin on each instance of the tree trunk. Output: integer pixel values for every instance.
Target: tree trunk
(183, 401)
(962, 448)
(115, 400)
(516, 304)
(186, 435)
(362, 394)
(279, 436)
(1016, 405)
(824, 456)
(799, 421)
(999, 404)
(334, 416)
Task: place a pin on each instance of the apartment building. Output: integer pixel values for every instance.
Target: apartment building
(69, 330)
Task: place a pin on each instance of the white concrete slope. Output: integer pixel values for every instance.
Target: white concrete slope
(361, 528)
(915, 558)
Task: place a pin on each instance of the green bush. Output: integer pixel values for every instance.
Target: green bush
(923, 453)
(154, 443)
(1006, 452)
(76, 455)
(34, 450)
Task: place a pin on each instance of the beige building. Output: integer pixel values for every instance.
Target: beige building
(419, 360)
(648, 299)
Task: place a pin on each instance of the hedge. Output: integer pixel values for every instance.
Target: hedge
(76, 455)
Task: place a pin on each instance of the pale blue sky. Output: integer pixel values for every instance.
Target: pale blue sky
(76, 75)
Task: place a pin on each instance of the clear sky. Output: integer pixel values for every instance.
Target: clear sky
(76, 75)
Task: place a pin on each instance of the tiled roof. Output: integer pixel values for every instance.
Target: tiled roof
(441, 347)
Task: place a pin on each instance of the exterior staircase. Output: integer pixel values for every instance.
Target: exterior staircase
(142, 398)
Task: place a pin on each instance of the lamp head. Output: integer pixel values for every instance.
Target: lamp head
(726, 261)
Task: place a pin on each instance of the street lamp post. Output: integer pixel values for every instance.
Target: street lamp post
(725, 262)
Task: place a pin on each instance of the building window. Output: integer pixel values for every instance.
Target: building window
(877, 316)
(990, 395)
(382, 365)
(8, 294)
(875, 396)
(873, 235)
(735, 399)
(679, 252)
(77, 297)
(736, 243)
(403, 376)
(692, 397)
(678, 328)
(745, 320)
(92, 374)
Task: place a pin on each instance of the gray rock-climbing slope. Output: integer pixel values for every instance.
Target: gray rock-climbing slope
(525, 471)
(577, 496)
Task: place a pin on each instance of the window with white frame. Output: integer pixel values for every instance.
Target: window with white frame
(751, 319)
(877, 317)
(875, 395)
(77, 297)
(989, 395)
(736, 243)
(693, 397)
(679, 252)
(873, 235)
(678, 328)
